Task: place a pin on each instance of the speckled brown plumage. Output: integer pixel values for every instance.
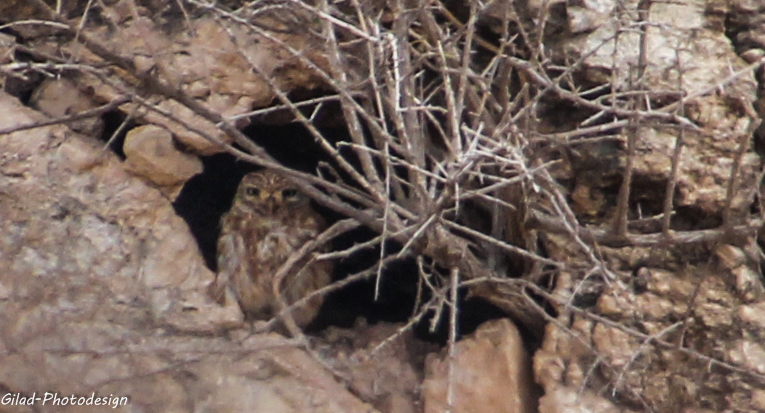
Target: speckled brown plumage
(269, 220)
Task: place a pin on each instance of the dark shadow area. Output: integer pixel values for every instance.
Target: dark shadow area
(690, 218)
(112, 122)
(647, 196)
(22, 87)
(208, 195)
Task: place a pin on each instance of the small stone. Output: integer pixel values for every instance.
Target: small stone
(613, 344)
(730, 257)
(753, 55)
(6, 46)
(753, 314)
(758, 399)
(600, 6)
(5, 292)
(582, 20)
(493, 360)
(748, 284)
(77, 156)
(152, 155)
(616, 303)
(575, 400)
(748, 354)
(658, 308)
(61, 97)
(667, 283)
(143, 64)
(714, 315)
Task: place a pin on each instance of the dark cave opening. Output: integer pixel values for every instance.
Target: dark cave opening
(208, 195)
(114, 133)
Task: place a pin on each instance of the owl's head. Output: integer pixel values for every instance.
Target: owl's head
(269, 193)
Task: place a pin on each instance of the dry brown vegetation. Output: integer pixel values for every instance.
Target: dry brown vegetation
(499, 160)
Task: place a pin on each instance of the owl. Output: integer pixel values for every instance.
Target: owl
(270, 219)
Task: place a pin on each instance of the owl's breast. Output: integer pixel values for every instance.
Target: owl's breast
(279, 242)
(270, 240)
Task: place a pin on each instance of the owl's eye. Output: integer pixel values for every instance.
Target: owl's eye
(252, 191)
(289, 193)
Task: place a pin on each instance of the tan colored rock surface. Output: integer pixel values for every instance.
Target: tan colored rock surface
(115, 227)
(572, 400)
(61, 97)
(152, 155)
(103, 291)
(102, 288)
(7, 42)
(679, 39)
(491, 373)
(222, 66)
(382, 365)
(697, 304)
(703, 298)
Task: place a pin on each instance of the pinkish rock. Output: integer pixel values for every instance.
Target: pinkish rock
(152, 155)
(491, 373)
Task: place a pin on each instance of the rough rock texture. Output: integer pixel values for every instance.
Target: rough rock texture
(679, 39)
(116, 227)
(491, 373)
(706, 308)
(103, 290)
(151, 154)
(382, 365)
(61, 97)
(230, 69)
(661, 312)
(571, 400)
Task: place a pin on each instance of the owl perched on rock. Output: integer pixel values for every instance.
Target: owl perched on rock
(269, 220)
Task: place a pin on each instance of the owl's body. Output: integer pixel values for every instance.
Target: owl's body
(268, 222)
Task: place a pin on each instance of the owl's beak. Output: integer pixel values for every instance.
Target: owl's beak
(272, 203)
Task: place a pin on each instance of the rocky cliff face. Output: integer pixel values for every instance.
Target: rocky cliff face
(560, 133)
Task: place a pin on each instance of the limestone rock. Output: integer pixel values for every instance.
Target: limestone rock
(491, 373)
(6, 47)
(116, 228)
(61, 97)
(152, 155)
(695, 304)
(568, 400)
(276, 380)
(222, 67)
(679, 39)
(103, 291)
(383, 366)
